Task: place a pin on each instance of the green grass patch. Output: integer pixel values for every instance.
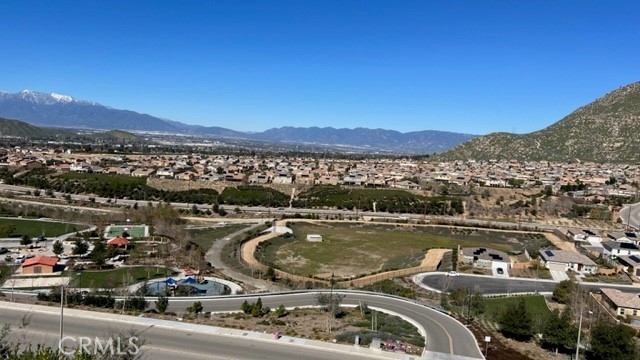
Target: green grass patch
(206, 237)
(536, 305)
(35, 228)
(109, 279)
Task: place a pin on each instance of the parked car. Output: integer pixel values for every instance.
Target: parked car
(453, 273)
(500, 271)
(4, 250)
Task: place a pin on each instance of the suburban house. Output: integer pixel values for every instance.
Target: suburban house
(282, 178)
(142, 172)
(39, 265)
(563, 260)
(166, 172)
(625, 237)
(80, 167)
(613, 249)
(624, 304)
(631, 262)
(584, 235)
(485, 258)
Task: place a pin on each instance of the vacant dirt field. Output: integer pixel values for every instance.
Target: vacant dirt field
(353, 249)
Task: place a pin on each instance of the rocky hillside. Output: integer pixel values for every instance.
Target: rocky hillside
(606, 130)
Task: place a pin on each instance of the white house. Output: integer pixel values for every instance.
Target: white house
(584, 235)
(625, 237)
(613, 249)
(564, 260)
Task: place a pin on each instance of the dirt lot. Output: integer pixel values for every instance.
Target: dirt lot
(433, 257)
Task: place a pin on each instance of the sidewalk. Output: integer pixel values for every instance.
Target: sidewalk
(205, 329)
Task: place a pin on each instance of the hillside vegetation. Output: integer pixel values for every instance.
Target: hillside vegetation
(605, 130)
(15, 128)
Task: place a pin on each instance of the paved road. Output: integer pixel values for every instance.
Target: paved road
(488, 285)
(161, 342)
(493, 286)
(630, 215)
(443, 333)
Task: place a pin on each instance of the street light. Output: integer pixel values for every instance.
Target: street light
(80, 275)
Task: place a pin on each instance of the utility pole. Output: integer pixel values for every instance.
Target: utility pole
(579, 331)
(61, 311)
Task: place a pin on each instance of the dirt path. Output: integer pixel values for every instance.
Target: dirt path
(433, 257)
(214, 255)
(559, 243)
(248, 249)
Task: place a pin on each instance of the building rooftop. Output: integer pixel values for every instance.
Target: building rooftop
(485, 254)
(622, 299)
(629, 260)
(41, 260)
(609, 245)
(566, 256)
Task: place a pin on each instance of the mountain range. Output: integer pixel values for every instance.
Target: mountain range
(55, 110)
(606, 130)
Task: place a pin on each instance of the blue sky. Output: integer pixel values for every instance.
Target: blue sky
(464, 66)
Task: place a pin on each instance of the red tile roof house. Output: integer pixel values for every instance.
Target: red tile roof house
(39, 265)
(118, 241)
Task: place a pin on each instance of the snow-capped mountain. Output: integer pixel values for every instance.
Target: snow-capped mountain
(37, 97)
(55, 110)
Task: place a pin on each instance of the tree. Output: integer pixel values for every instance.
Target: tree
(162, 303)
(558, 332)
(58, 248)
(516, 322)
(25, 240)
(195, 308)
(99, 253)
(612, 342)
(281, 311)
(271, 274)
(80, 247)
(256, 310)
(246, 307)
(478, 304)
(564, 291)
(7, 229)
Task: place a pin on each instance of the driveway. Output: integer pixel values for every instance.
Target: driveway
(559, 275)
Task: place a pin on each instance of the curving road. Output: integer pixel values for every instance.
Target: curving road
(443, 333)
(630, 215)
(161, 340)
(445, 336)
(489, 285)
